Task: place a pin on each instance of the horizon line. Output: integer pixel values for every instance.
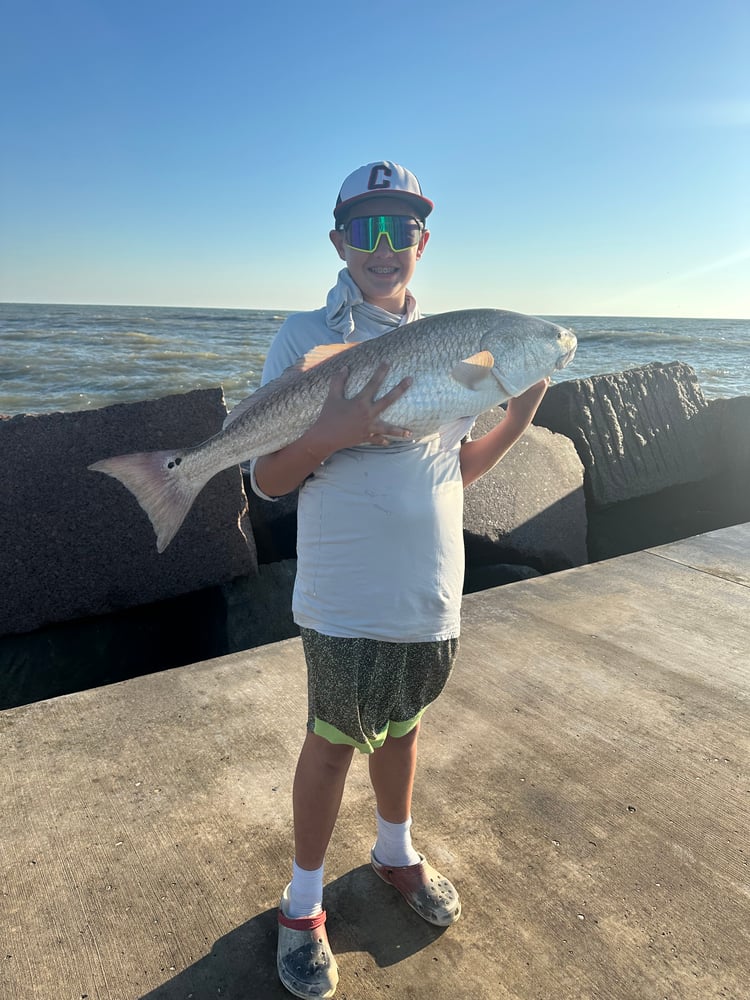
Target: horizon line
(285, 311)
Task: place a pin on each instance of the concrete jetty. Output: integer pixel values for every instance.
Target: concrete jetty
(584, 781)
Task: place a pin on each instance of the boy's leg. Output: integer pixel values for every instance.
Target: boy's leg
(318, 788)
(392, 770)
(304, 958)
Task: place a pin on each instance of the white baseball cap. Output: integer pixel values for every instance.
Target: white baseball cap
(381, 179)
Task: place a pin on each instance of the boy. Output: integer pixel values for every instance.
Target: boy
(380, 567)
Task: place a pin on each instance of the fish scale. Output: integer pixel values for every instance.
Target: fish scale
(461, 363)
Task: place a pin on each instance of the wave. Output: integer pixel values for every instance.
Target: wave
(219, 316)
(649, 339)
(659, 338)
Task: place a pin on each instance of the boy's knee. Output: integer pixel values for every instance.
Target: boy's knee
(332, 756)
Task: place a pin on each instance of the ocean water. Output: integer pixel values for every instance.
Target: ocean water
(66, 357)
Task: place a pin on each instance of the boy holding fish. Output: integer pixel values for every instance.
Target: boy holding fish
(380, 565)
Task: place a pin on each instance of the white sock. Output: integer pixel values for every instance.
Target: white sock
(305, 892)
(393, 846)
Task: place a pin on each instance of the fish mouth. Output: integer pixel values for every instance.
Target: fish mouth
(565, 360)
(568, 344)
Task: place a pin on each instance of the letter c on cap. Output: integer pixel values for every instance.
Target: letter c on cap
(379, 178)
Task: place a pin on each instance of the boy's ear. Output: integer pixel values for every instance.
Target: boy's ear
(423, 242)
(336, 237)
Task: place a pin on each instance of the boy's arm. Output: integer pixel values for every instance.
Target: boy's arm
(478, 457)
(342, 423)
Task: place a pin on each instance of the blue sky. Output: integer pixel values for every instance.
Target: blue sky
(584, 157)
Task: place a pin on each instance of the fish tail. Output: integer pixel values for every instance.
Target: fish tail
(160, 483)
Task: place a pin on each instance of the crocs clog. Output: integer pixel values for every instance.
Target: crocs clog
(304, 959)
(432, 896)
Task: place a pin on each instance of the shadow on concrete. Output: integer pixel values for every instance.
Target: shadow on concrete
(364, 915)
(85, 653)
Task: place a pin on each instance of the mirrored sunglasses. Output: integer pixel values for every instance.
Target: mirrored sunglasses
(402, 232)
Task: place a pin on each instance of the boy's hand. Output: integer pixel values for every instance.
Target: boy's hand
(343, 423)
(521, 409)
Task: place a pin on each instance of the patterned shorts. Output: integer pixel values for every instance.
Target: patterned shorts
(362, 690)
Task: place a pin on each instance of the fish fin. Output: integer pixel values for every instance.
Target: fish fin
(319, 354)
(238, 410)
(166, 494)
(471, 372)
(252, 400)
(507, 386)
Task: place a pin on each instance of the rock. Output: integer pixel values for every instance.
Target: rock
(496, 575)
(658, 518)
(70, 656)
(274, 524)
(636, 432)
(259, 608)
(731, 424)
(530, 509)
(76, 543)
